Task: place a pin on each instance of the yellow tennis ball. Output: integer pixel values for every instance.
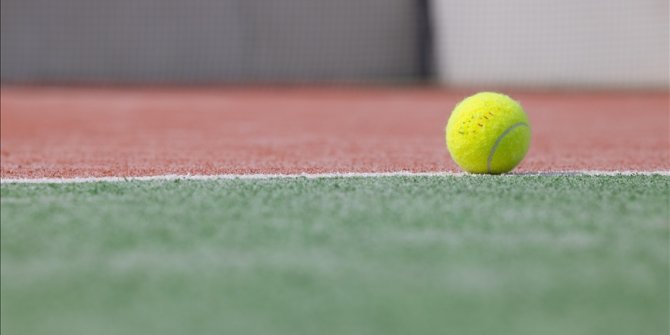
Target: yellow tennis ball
(488, 133)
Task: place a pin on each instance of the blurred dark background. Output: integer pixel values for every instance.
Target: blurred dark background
(520, 43)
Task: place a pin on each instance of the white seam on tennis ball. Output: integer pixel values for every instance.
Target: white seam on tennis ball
(498, 140)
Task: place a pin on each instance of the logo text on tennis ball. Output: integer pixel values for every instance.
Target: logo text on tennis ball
(488, 133)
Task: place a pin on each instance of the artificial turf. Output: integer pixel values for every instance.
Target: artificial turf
(391, 255)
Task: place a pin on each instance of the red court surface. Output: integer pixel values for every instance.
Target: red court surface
(86, 132)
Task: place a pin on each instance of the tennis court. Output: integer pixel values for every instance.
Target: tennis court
(244, 167)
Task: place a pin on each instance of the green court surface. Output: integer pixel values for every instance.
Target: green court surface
(389, 255)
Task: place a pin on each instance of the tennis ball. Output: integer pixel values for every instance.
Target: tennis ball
(488, 133)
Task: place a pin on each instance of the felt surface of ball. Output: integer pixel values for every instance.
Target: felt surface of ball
(488, 133)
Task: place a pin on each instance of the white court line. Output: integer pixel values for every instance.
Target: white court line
(172, 177)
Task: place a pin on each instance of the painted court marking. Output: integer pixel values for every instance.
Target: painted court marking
(172, 177)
